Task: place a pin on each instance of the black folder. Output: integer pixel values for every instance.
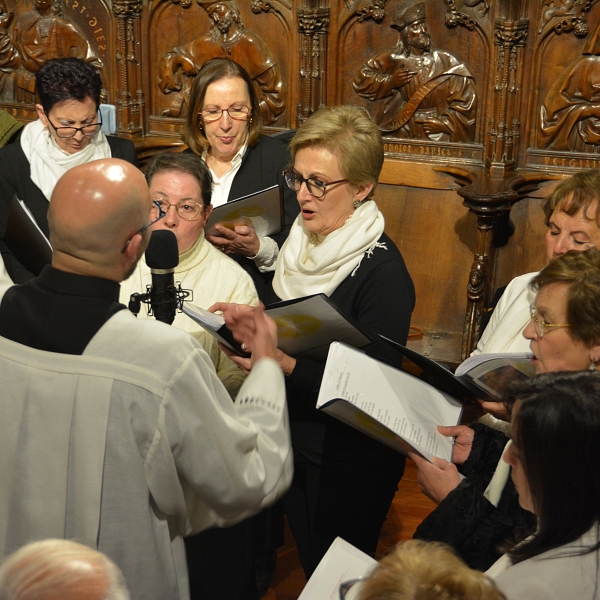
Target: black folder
(25, 239)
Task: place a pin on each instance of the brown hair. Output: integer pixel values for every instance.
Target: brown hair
(183, 162)
(213, 70)
(580, 192)
(418, 570)
(349, 133)
(581, 272)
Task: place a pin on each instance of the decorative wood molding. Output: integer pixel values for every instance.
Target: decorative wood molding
(375, 11)
(504, 125)
(129, 94)
(313, 27)
(562, 16)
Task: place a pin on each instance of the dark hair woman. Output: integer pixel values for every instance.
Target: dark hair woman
(554, 456)
(66, 134)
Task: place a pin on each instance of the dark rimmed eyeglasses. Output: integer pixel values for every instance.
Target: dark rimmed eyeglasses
(69, 132)
(315, 187)
(161, 214)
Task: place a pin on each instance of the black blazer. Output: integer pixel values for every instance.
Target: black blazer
(262, 166)
(15, 178)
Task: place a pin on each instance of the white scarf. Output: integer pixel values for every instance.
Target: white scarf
(305, 268)
(48, 162)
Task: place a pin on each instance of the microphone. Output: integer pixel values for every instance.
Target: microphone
(162, 256)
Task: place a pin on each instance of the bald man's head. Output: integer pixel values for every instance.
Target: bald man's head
(60, 570)
(95, 208)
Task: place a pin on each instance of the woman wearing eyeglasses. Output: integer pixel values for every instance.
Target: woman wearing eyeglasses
(66, 134)
(477, 515)
(344, 480)
(181, 185)
(223, 127)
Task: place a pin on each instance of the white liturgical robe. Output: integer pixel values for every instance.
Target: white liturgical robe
(133, 445)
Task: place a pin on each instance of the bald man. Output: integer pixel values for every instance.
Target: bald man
(60, 570)
(114, 431)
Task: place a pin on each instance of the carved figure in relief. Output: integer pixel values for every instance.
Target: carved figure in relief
(570, 113)
(227, 38)
(9, 57)
(41, 34)
(429, 94)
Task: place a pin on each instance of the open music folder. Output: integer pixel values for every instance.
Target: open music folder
(386, 403)
(262, 210)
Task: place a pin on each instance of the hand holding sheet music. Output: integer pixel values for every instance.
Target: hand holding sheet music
(387, 404)
(235, 227)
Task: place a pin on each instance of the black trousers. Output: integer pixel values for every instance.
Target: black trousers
(349, 500)
(221, 563)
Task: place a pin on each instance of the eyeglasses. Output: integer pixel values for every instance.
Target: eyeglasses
(69, 132)
(541, 326)
(214, 113)
(315, 187)
(346, 586)
(161, 214)
(186, 210)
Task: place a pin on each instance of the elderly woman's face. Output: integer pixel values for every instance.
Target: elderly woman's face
(556, 350)
(326, 214)
(571, 233)
(70, 113)
(173, 188)
(226, 135)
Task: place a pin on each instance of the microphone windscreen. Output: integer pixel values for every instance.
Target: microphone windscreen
(162, 252)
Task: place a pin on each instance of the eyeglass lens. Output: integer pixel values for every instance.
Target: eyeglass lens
(316, 187)
(235, 112)
(186, 210)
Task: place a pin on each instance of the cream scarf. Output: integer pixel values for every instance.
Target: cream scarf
(48, 162)
(308, 264)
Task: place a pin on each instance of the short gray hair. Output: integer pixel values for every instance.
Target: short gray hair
(34, 570)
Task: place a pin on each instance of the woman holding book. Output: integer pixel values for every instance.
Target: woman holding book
(66, 134)
(344, 481)
(554, 457)
(478, 513)
(223, 126)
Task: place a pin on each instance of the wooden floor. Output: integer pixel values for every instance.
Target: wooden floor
(408, 509)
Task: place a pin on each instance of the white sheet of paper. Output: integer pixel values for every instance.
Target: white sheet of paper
(407, 406)
(341, 562)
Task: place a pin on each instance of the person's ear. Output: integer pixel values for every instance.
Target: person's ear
(207, 212)
(363, 190)
(41, 115)
(595, 356)
(136, 247)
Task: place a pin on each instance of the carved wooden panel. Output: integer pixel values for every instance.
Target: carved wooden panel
(563, 115)
(31, 31)
(503, 101)
(182, 35)
(429, 101)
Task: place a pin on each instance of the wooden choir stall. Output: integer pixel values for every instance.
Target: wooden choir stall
(501, 103)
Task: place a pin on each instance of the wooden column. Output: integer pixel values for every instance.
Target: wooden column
(313, 26)
(130, 95)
